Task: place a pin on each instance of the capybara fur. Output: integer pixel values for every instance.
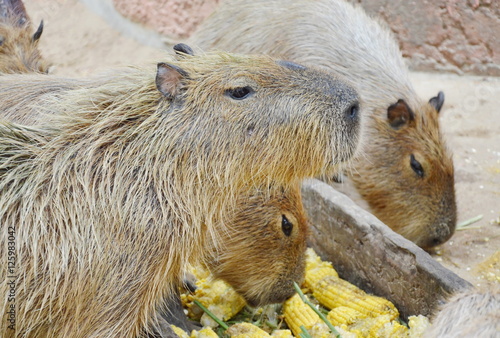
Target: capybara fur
(468, 314)
(131, 177)
(406, 174)
(19, 52)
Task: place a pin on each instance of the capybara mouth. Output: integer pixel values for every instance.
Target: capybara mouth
(275, 296)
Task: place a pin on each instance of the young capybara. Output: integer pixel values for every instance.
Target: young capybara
(19, 51)
(130, 178)
(469, 314)
(406, 174)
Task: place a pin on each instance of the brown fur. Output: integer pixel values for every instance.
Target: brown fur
(19, 51)
(469, 314)
(119, 187)
(270, 251)
(342, 39)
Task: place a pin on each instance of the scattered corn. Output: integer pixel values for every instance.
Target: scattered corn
(418, 325)
(354, 313)
(246, 330)
(206, 332)
(180, 332)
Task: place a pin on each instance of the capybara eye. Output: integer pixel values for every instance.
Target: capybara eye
(286, 225)
(416, 166)
(240, 93)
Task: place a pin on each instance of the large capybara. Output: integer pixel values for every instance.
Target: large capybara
(19, 51)
(469, 314)
(129, 178)
(406, 172)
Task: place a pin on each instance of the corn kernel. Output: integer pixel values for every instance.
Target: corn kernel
(206, 332)
(246, 330)
(180, 332)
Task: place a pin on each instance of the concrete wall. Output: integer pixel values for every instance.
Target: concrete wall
(450, 35)
(460, 36)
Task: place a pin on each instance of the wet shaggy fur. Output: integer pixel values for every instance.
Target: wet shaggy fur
(473, 313)
(19, 51)
(342, 39)
(120, 186)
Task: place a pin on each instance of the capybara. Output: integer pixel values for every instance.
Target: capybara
(131, 177)
(19, 51)
(469, 314)
(406, 172)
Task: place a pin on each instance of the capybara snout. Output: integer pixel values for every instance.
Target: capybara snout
(348, 117)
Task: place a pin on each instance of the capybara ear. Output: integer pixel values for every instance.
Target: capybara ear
(437, 101)
(38, 32)
(14, 9)
(169, 79)
(399, 114)
(182, 49)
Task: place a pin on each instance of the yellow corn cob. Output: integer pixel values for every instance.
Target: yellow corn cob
(316, 269)
(378, 327)
(298, 313)
(246, 330)
(384, 327)
(199, 272)
(418, 325)
(320, 330)
(206, 332)
(333, 292)
(282, 334)
(344, 315)
(180, 332)
(218, 297)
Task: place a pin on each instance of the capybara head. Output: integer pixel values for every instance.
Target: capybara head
(473, 312)
(255, 103)
(408, 181)
(263, 249)
(19, 51)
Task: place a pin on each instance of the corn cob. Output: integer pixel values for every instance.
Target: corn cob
(344, 315)
(333, 292)
(418, 325)
(206, 332)
(246, 330)
(218, 297)
(316, 269)
(282, 334)
(381, 326)
(297, 313)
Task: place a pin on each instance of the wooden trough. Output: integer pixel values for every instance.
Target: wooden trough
(369, 254)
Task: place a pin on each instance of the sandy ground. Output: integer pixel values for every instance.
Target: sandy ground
(80, 43)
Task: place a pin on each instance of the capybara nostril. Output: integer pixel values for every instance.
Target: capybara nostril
(352, 113)
(436, 241)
